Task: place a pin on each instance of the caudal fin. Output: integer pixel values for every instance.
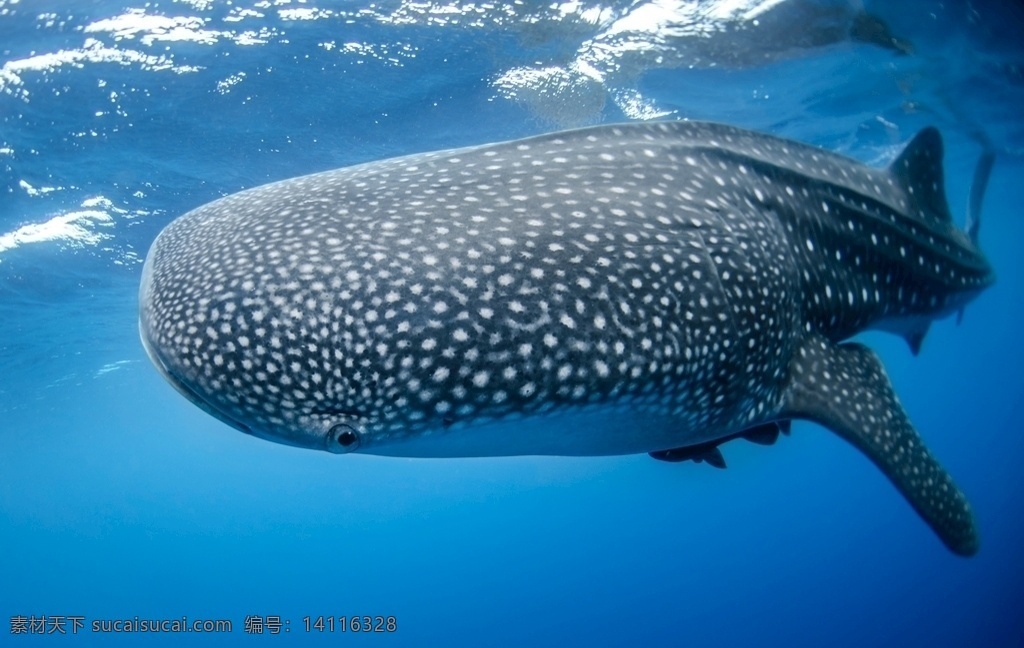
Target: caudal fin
(982, 171)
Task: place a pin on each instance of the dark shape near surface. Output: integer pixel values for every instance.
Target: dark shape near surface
(868, 28)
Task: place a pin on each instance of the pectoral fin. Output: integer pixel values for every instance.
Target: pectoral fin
(844, 388)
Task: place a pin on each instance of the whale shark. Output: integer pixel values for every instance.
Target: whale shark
(658, 287)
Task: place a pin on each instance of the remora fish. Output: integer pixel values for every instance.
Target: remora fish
(650, 287)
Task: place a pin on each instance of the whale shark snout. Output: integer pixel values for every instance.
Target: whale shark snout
(182, 387)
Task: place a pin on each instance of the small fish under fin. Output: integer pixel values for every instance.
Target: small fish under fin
(764, 434)
(702, 452)
(869, 416)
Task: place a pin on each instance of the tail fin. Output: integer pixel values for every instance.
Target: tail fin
(982, 171)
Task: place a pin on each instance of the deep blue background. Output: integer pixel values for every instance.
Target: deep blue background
(118, 498)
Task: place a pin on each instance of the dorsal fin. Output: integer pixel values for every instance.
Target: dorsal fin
(918, 169)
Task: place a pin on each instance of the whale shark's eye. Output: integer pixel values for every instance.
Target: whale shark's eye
(345, 436)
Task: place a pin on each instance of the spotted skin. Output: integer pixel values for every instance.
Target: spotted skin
(630, 288)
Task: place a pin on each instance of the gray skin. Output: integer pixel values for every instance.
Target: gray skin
(647, 287)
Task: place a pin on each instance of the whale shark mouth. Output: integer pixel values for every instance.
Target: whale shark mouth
(185, 390)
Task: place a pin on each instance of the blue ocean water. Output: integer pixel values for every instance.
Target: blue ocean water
(119, 499)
